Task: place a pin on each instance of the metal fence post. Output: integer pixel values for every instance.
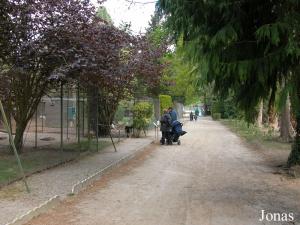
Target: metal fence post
(97, 121)
(36, 129)
(83, 115)
(61, 117)
(78, 114)
(43, 115)
(68, 112)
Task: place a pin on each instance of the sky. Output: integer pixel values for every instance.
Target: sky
(137, 14)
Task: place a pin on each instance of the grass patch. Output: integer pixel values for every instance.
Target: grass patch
(50, 156)
(256, 135)
(86, 145)
(32, 162)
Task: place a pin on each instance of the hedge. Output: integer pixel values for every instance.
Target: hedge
(165, 102)
(142, 114)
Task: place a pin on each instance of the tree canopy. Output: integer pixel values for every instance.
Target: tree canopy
(46, 43)
(103, 14)
(246, 47)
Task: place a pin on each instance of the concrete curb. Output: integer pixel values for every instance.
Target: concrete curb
(35, 211)
(81, 185)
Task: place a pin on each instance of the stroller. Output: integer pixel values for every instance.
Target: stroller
(177, 131)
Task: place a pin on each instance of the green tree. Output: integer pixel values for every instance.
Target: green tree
(148, 83)
(37, 45)
(246, 47)
(103, 14)
(181, 78)
(165, 102)
(142, 113)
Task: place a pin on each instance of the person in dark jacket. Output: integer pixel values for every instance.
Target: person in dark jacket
(166, 127)
(197, 113)
(191, 116)
(173, 114)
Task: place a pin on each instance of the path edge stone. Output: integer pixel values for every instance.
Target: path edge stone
(50, 203)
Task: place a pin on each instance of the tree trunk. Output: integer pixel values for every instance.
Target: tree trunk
(272, 120)
(260, 114)
(106, 115)
(294, 157)
(107, 110)
(285, 122)
(92, 108)
(18, 140)
(22, 116)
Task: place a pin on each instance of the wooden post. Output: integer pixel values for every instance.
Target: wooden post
(6, 124)
(112, 141)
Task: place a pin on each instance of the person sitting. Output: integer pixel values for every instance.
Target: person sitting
(165, 127)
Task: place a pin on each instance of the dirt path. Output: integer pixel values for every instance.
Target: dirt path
(211, 179)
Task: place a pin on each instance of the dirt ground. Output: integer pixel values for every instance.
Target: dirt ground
(213, 178)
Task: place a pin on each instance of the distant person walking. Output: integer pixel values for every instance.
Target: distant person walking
(191, 116)
(197, 113)
(173, 114)
(165, 127)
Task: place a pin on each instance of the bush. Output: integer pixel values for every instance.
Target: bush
(216, 107)
(216, 116)
(227, 107)
(165, 102)
(142, 114)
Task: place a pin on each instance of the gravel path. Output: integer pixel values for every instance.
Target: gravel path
(211, 179)
(14, 201)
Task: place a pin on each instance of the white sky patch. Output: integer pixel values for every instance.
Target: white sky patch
(137, 14)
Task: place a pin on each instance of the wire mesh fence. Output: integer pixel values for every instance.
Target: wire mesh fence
(67, 120)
